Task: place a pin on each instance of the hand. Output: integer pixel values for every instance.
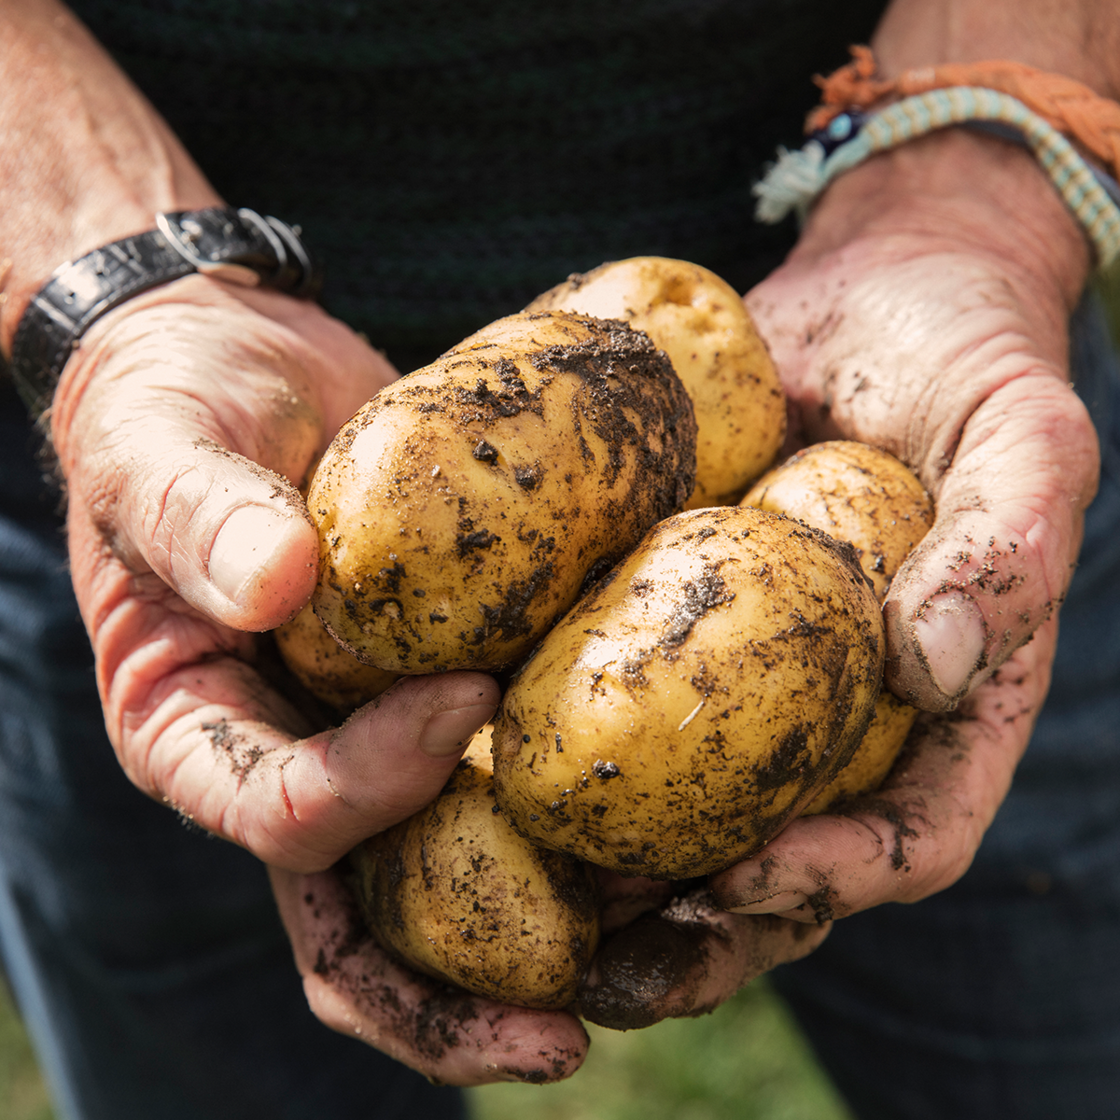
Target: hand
(940, 335)
(180, 426)
(670, 953)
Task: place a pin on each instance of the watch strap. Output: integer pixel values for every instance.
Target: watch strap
(240, 246)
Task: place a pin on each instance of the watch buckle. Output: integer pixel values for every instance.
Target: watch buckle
(239, 274)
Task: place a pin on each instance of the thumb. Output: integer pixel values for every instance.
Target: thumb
(999, 558)
(180, 428)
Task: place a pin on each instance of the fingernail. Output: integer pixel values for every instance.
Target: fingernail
(448, 731)
(951, 633)
(769, 904)
(243, 545)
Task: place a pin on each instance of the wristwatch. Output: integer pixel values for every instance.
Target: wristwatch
(240, 246)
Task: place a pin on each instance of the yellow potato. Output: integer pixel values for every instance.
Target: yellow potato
(866, 497)
(695, 700)
(457, 894)
(460, 511)
(324, 668)
(874, 756)
(855, 493)
(701, 323)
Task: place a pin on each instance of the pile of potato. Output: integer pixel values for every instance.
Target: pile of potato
(560, 498)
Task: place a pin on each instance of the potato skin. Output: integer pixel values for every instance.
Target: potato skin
(695, 700)
(460, 510)
(458, 895)
(324, 668)
(699, 320)
(855, 493)
(869, 766)
(868, 498)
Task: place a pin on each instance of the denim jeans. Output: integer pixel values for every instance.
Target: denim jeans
(147, 958)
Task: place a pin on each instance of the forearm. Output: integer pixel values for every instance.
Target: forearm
(1077, 38)
(88, 160)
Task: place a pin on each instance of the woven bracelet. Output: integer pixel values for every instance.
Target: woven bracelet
(797, 178)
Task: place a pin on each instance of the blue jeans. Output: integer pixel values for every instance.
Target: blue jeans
(1000, 997)
(148, 959)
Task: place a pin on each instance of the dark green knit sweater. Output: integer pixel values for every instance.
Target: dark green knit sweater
(450, 160)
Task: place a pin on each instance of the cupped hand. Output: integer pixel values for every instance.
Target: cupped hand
(939, 333)
(182, 427)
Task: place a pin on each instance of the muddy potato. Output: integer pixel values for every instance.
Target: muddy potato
(700, 322)
(457, 894)
(324, 668)
(461, 509)
(868, 498)
(855, 493)
(695, 700)
(874, 756)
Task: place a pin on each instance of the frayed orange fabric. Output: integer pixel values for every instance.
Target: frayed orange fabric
(1091, 121)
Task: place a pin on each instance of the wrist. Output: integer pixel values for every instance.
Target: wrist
(955, 191)
(239, 246)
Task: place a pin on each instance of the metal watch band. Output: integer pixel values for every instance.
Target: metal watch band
(236, 245)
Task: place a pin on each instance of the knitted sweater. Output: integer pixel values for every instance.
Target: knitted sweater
(450, 159)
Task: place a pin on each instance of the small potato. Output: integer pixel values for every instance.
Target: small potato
(874, 756)
(866, 497)
(460, 511)
(855, 493)
(324, 668)
(701, 323)
(695, 700)
(458, 895)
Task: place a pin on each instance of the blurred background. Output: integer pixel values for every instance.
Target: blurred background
(746, 1061)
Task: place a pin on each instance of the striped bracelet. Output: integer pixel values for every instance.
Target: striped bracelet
(797, 178)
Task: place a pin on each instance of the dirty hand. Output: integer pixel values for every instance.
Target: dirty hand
(939, 332)
(669, 952)
(180, 426)
(925, 314)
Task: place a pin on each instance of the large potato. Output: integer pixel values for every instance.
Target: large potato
(868, 498)
(461, 509)
(695, 700)
(459, 895)
(700, 322)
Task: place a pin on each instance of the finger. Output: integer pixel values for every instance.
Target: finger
(919, 832)
(195, 726)
(448, 1035)
(685, 960)
(625, 899)
(998, 561)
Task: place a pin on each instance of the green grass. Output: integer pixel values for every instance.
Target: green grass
(747, 1061)
(23, 1096)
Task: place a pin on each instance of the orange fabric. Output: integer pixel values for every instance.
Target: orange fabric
(1072, 108)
